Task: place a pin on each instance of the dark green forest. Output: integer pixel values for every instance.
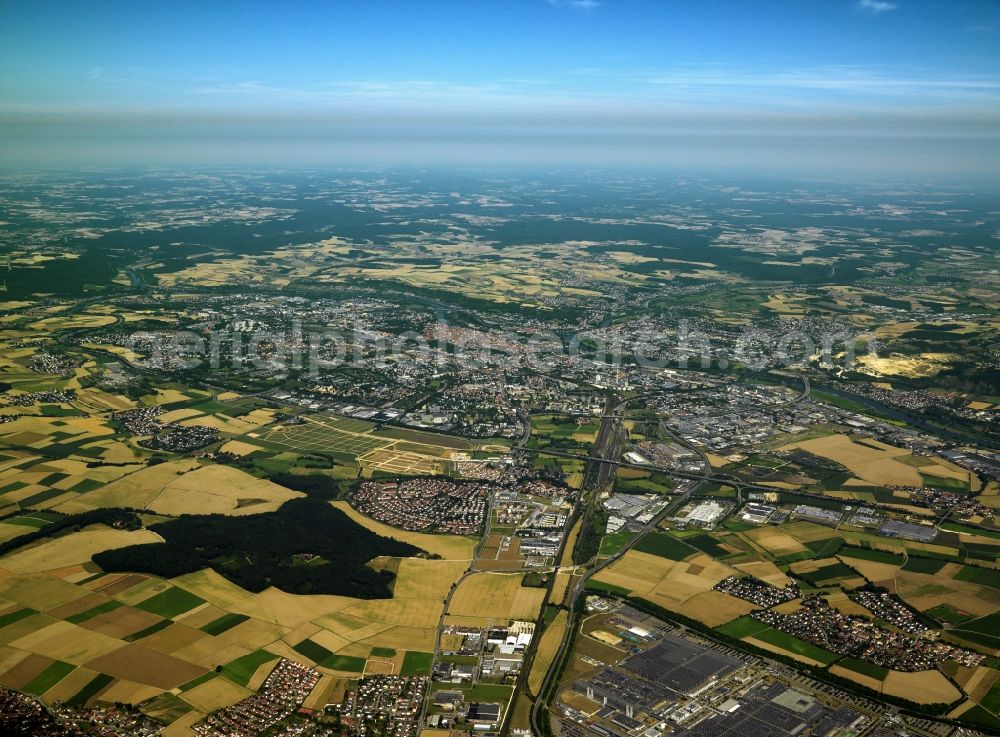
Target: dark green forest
(305, 547)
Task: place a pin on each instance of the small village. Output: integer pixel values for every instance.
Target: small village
(819, 623)
(425, 504)
(387, 705)
(281, 694)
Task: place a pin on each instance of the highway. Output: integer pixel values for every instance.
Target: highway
(575, 594)
(604, 459)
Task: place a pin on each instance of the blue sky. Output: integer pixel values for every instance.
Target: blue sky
(913, 67)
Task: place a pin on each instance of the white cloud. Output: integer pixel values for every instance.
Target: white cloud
(876, 6)
(690, 88)
(849, 79)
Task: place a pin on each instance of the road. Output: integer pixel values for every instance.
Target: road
(575, 594)
(451, 594)
(596, 567)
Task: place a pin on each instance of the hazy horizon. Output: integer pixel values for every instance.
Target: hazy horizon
(852, 87)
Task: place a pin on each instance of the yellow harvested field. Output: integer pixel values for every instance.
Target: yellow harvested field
(766, 571)
(177, 415)
(50, 324)
(260, 675)
(959, 710)
(421, 586)
(39, 591)
(173, 638)
(39, 431)
(24, 627)
(810, 565)
(215, 694)
(75, 548)
(213, 588)
(142, 665)
(18, 668)
(332, 642)
(121, 622)
(254, 633)
(561, 585)
(95, 400)
(977, 682)
(220, 490)
(114, 452)
(129, 692)
(924, 687)
(379, 667)
(9, 532)
(774, 541)
(874, 462)
(449, 547)
(239, 448)
(426, 579)
(840, 600)
(406, 613)
(638, 572)
(200, 616)
(259, 416)
(417, 606)
(324, 693)
(68, 642)
(209, 653)
(170, 396)
(606, 637)
(717, 461)
(867, 681)
(70, 686)
(715, 608)
(678, 586)
(564, 576)
(807, 532)
(496, 595)
(143, 589)
(220, 423)
(926, 592)
(789, 607)
(135, 490)
(352, 628)
(61, 465)
(17, 458)
(181, 727)
(883, 574)
(547, 647)
(405, 638)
